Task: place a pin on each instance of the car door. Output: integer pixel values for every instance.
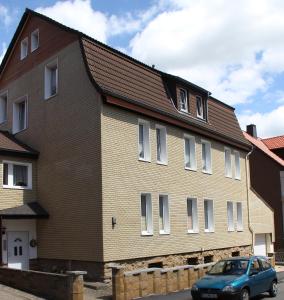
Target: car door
(255, 277)
(268, 273)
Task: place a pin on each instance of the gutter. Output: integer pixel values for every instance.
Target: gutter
(248, 189)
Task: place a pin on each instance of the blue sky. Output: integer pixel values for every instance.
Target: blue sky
(234, 49)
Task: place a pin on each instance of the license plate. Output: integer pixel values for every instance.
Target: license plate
(209, 296)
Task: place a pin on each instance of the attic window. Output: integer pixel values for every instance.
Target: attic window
(200, 107)
(183, 101)
(51, 80)
(34, 40)
(24, 48)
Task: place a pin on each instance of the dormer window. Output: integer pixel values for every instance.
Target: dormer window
(24, 48)
(200, 108)
(183, 101)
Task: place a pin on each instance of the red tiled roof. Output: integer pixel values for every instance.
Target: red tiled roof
(261, 145)
(274, 142)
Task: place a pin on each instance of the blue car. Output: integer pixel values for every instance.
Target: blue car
(237, 278)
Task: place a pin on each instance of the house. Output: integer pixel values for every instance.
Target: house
(275, 144)
(267, 177)
(133, 165)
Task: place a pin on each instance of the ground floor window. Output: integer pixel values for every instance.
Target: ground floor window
(17, 175)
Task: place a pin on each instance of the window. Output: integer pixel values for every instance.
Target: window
(161, 134)
(228, 163)
(239, 216)
(235, 253)
(3, 107)
(144, 140)
(206, 157)
(183, 100)
(193, 261)
(189, 152)
(208, 259)
(230, 216)
(146, 215)
(192, 216)
(164, 215)
(51, 80)
(24, 48)
(20, 115)
(34, 40)
(17, 175)
(158, 264)
(208, 215)
(200, 107)
(237, 165)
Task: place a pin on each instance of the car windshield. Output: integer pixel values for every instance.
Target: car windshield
(229, 267)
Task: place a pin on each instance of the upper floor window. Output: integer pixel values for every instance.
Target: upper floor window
(230, 215)
(189, 152)
(20, 115)
(239, 216)
(206, 157)
(161, 134)
(228, 163)
(51, 79)
(34, 40)
(24, 48)
(208, 216)
(146, 214)
(237, 165)
(164, 214)
(144, 140)
(200, 107)
(192, 216)
(3, 107)
(17, 175)
(183, 100)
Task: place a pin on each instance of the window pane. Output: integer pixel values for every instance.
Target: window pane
(200, 108)
(5, 174)
(206, 157)
(228, 164)
(183, 100)
(164, 222)
(3, 108)
(187, 152)
(20, 174)
(146, 214)
(189, 214)
(143, 213)
(237, 166)
(141, 141)
(206, 215)
(53, 80)
(239, 216)
(230, 216)
(159, 147)
(22, 115)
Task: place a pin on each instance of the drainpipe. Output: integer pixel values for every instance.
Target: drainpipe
(1, 243)
(248, 189)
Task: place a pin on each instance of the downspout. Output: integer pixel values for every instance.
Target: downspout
(248, 189)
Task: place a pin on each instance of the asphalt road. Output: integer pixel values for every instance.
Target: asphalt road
(185, 295)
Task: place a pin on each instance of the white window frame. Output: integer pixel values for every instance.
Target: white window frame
(33, 34)
(237, 156)
(191, 158)
(146, 140)
(195, 225)
(208, 156)
(186, 100)
(10, 184)
(200, 116)
(163, 144)
(16, 125)
(24, 48)
(166, 215)
(3, 113)
(47, 83)
(211, 225)
(149, 214)
(240, 219)
(228, 162)
(230, 216)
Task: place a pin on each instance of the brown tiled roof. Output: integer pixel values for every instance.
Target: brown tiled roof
(122, 77)
(9, 144)
(261, 145)
(276, 142)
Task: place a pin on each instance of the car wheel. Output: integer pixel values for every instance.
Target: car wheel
(273, 289)
(244, 294)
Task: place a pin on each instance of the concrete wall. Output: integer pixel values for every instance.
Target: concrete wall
(125, 177)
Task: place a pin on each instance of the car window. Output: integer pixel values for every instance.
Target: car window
(255, 266)
(229, 267)
(265, 264)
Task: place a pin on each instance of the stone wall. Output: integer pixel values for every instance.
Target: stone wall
(47, 285)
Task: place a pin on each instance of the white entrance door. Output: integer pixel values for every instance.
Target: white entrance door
(18, 251)
(260, 245)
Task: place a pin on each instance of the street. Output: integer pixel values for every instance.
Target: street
(185, 295)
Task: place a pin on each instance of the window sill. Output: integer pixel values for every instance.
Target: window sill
(236, 178)
(144, 160)
(228, 176)
(162, 163)
(146, 233)
(209, 231)
(231, 230)
(15, 132)
(193, 231)
(2, 122)
(164, 232)
(207, 172)
(240, 230)
(51, 96)
(190, 169)
(17, 187)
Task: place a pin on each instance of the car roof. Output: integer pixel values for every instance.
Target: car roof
(244, 257)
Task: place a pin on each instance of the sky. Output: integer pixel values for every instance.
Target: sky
(234, 49)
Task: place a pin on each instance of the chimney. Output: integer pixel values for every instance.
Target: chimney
(251, 130)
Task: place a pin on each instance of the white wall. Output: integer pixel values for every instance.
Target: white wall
(19, 225)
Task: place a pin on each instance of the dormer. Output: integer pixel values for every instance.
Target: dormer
(182, 100)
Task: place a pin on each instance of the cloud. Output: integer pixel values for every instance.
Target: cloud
(232, 48)
(5, 15)
(3, 51)
(268, 124)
